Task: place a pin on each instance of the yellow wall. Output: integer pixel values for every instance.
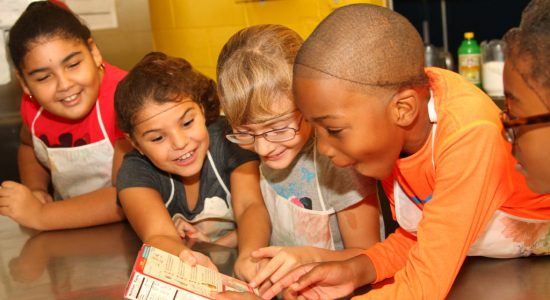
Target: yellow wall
(197, 30)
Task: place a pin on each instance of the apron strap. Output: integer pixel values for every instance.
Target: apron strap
(36, 118)
(321, 199)
(319, 194)
(211, 160)
(172, 191)
(432, 114)
(100, 120)
(98, 113)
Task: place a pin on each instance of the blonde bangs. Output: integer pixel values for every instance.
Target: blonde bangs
(249, 86)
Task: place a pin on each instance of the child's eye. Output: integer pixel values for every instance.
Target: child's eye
(188, 123)
(333, 132)
(42, 78)
(157, 139)
(74, 65)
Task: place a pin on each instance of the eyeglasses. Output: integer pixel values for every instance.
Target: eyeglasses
(511, 124)
(275, 135)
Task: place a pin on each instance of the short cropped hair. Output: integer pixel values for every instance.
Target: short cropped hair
(364, 45)
(531, 41)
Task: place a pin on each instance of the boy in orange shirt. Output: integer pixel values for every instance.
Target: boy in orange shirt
(435, 142)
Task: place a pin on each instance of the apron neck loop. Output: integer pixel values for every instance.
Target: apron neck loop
(432, 114)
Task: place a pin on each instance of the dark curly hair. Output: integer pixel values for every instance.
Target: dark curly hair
(43, 20)
(160, 79)
(530, 42)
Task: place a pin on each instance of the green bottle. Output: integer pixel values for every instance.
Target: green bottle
(469, 59)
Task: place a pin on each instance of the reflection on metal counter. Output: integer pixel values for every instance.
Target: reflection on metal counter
(89, 263)
(95, 263)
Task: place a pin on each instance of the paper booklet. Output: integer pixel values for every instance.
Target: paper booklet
(160, 275)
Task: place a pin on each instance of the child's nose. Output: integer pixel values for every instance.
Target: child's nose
(323, 146)
(63, 82)
(179, 141)
(262, 146)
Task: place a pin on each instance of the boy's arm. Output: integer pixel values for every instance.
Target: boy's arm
(472, 182)
(31, 172)
(253, 225)
(360, 223)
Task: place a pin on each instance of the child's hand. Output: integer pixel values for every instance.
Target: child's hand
(281, 261)
(186, 230)
(327, 280)
(193, 258)
(235, 295)
(245, 268)
(19, 203)
(42, 196)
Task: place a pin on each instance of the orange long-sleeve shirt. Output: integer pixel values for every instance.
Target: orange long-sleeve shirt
(473, 176)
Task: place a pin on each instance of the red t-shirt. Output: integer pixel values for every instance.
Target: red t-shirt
(58, 132)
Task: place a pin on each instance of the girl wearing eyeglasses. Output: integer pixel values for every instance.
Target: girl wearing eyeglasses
(527, 88)
(316, 210)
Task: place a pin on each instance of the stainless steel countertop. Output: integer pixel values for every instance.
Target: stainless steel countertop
(95, 263)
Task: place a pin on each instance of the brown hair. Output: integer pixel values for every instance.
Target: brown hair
(44, 20)
(531, 43)
(160, 79)
(254, 70)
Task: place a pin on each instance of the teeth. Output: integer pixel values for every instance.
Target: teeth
(186, 156)
(70, 98)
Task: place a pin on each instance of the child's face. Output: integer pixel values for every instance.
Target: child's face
(353, 130)
(278, 155)
(531, 143)
(62, 75)
(173, 136)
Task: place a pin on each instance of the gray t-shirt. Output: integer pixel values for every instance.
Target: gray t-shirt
(338, 187)
(138, 171)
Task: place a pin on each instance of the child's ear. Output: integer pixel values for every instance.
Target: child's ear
(134, 144)
(22, 83)
(405, 107)
(96, 55)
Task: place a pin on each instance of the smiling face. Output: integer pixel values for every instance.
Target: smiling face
(63, 75)
(531, 146)
(278, 155)
(173, 135)
(353, 129)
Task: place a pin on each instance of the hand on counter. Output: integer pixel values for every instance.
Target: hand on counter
(21, 204)
(281, 260)
(193, 258)
(329, 280)
(235, 296)
(186, 230)
(42, 196)
(247, 267)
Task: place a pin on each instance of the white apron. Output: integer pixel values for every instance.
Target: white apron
(293, 225)
(216, 218)
(504, 236)
(77, 170)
